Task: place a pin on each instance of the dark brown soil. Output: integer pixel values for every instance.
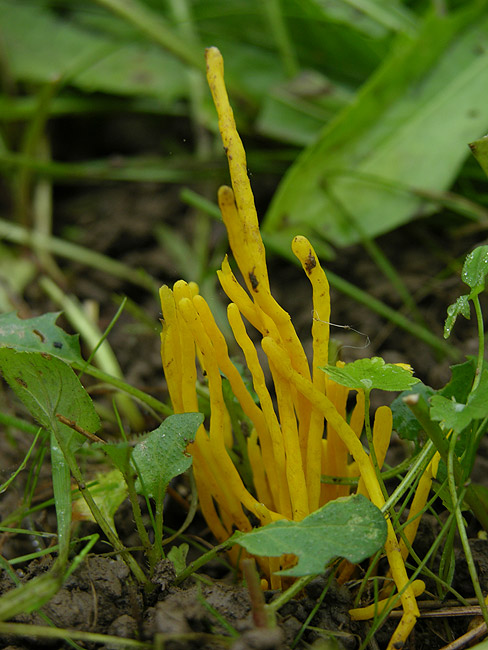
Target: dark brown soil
(101, 596)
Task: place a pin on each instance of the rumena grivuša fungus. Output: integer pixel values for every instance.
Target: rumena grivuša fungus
(286, 447)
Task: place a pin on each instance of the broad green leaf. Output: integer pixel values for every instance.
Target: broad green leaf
(456, 415)
(297, 110)
(404, 421)
(108, 493)
(462, 377)
(340, 50)
(479, 149)
(39, 334)
(161, 454)
(461, 306)
(39, 46)
(475, 269)
(366, 374)
(407, 128)
(47, 386)
(349, 527)
(370, 16)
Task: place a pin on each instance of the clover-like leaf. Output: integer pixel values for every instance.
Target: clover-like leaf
(349, 527)
(461, 306)
(475, 269)
(161, 454)
(366, 374)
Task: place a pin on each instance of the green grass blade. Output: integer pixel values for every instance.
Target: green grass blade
(155, 26)
(74, 252)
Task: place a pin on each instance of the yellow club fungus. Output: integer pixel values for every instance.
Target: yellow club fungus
(286, 447)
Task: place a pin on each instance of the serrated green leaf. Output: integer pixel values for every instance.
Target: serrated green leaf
(456, 415)
(108, 493)
(40, 334)
(119, 453)
(404, 421)
(48, 386)
(161, 454)
(461, 306)
(349, 527)
(366, 374)
(475, 269)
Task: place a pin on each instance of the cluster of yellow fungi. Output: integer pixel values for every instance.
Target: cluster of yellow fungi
(286, 448)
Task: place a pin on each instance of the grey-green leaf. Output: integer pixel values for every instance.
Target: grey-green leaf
(349, 527)
(161, 454)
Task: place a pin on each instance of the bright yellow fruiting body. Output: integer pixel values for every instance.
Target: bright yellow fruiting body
(286, 448)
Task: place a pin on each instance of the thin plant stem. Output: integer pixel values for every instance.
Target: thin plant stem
(456, 502)
(422, 460)
(90, 332)
(202, 560)
(274, 12)
(22, 465)
(99, 518)
(261, 615)
(421, 411)
(153, 25)
(314, 610)
(141, 396)
(18, 235)
(290, 593)
(136, 511)
(481, 342)
(42, 631)
(191, 512)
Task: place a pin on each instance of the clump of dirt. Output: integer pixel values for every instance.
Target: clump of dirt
(99, 596)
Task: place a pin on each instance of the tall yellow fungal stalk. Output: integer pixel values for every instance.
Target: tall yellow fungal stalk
(286, 447)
